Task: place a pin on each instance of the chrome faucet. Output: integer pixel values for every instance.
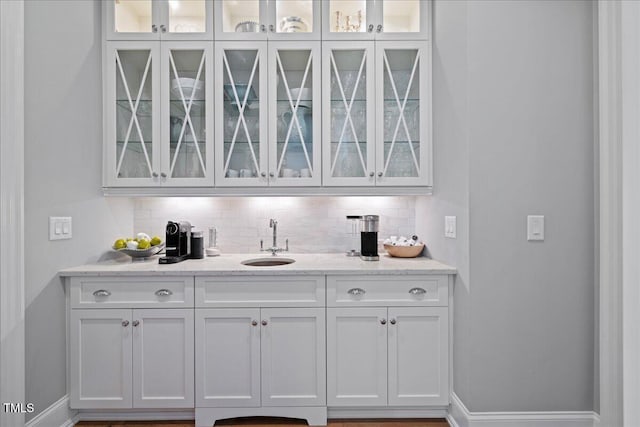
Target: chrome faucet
(274, 249)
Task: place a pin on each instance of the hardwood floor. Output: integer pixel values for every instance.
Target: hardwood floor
(272, 422)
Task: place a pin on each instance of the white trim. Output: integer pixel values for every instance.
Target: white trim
(57, 414)
(610, 154)
(630, 112)
(12, 306)
(460, 416)
(134, 415)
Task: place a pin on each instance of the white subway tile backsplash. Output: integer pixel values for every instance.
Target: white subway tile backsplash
(312, 224)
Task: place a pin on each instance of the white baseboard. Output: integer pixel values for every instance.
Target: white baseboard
(460, 416)
(135, 414)
(363, 412)
(57, 415)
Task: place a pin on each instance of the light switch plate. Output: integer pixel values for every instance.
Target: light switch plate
(450, 227)
(59, 227)
(535, 227)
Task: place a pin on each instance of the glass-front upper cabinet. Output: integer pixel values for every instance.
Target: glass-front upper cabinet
(158, 19)
(348, 113)
(376, 19)
(187, 114)
(132, 113)
(262, 20)
(241, 116)
(403, 116)
(294, 114)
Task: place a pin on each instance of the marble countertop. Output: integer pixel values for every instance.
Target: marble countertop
(230, 264)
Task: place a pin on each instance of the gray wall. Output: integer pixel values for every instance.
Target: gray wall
(63, 163)
(524, 331)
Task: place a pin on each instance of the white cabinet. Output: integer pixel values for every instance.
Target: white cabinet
(158, 114)
(260, 347)
(387, 342)
(158, 19)
(376, 19)
(267, 20)
(131, 342)
(123, 358)
(248, 357)
(268, 134)
(377, 113)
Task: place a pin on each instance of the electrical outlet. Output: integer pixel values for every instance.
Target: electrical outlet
(450, 227)
(59, 227)
(535, 227)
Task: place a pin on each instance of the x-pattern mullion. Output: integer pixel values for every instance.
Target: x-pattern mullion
(241, 108)
(294, 108)
(401, 107)
(187, 116)
(348, 105)
(134, 112)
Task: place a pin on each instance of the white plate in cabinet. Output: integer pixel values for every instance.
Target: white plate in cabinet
(410, 290)
(130, 292)
(260, 291)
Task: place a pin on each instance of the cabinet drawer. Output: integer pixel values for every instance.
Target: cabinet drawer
(260, 291)
(125, 292)
(410, 290)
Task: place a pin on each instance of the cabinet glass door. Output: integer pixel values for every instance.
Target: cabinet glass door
(132, 118)
(188, 19)
(402, 19)
(348, 114)
(294, 19)
(241, 121)
(404, 119)
(187, 115)
(348, 19)
(132, 19)
(240, 19)
(294, 154)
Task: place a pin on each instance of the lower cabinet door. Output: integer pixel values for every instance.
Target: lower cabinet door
(163, 371)
(228, 357)
(418, 356)
(293, 356)
(100, 358)
(357, 356)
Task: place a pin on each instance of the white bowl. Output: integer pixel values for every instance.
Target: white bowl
(187, 85)
(142, 253)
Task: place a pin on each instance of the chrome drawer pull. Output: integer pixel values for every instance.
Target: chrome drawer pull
(417, 291)
(101, 293)
(163, 292)
(356, 291)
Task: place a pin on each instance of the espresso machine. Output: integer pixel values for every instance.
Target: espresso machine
(369, 225)
(178, 242)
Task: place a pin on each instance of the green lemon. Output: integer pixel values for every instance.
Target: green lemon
(143, 244)
(119, 244)
(156, 241)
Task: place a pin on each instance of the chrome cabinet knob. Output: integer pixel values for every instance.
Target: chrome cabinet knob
(379, 28)
(417, 291)
(356, 291)
(392, 321)
(254, 323)
(163, 292)
(383, 321)
(371, 174)
(154, 28)
(163, 28)
(272, 28)
(380, 174)
(263, 28)
(101, 293)
(264, 323)
(155, 174)
(162, 174)
(125, 323)
(271, 174)
(136, 323)
(370, 28)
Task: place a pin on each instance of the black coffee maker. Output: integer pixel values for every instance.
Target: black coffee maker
(178, 242)
(369, 225)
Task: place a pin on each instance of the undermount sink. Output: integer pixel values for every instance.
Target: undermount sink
(267, 262)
